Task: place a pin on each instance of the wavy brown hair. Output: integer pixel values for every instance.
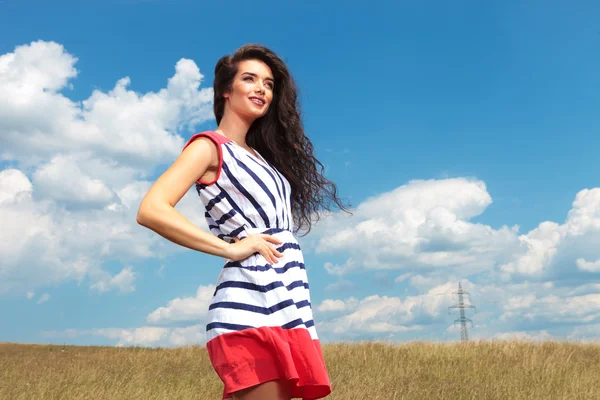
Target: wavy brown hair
(279, 135)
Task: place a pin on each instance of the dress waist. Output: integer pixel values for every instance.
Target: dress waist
(268, 231)
(285, 235)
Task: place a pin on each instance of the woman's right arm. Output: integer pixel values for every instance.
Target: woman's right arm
(157, 209)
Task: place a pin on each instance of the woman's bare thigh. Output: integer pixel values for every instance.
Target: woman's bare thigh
(271, 390)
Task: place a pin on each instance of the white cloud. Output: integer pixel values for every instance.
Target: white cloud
(87, 167)
(382, 315)
(529, 310)
(538, 311)
(30, 295)
(43, 298)
(63, 180)
(586, 333)
(123, 281)
(43, 243)
(589, 266)
(30, 238)
(552, 249)
(142, 336)
(189, 335)
(337, 305)
(184, 309)
(425, 228)
(341, 286)
(554, 308)
(340, 270)
(421, 225)
(403, 277)
(38, 121)
(14, 187)
(519, 302)
(540, 248)
(424, 283)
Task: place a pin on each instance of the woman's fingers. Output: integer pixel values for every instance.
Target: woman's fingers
(261, 244)
(268, 255)
(271, 239)
(277, 253)
(271, 252)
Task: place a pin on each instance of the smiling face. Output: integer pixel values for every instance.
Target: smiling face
(251, 90)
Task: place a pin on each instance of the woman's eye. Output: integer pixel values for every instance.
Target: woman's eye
(248, 78)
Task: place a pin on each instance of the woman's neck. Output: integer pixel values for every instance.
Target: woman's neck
(235, 128)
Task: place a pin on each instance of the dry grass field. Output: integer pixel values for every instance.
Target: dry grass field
(371, 371)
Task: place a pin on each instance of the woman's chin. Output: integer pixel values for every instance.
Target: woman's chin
(252, 114)
(256, 114)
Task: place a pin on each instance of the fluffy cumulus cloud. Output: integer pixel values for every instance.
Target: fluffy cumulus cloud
(554, 251)
(590, 266)
(184, 309)
(537, 285)
(78, 169)
(163, 324)
(378, 316)
(38, 122)
(425, 316)
(521, 311)
(427, 226)
(421, 225)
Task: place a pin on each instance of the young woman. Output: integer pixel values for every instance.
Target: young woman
(258, 180)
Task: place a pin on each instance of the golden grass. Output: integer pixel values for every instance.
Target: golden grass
(370, 371)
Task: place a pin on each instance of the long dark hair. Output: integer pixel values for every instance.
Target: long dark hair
(279, 135)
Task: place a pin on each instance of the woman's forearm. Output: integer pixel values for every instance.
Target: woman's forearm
(170, 224)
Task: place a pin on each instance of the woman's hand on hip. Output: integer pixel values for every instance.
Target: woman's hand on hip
(255, 243)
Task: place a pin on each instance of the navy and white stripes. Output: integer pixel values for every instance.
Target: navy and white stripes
(251, 196)
(255, 293)
(249, 191)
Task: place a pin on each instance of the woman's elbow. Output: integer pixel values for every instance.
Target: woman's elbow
(140, 218)
(144, 214)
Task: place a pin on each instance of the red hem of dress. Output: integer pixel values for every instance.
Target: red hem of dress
(249, 357)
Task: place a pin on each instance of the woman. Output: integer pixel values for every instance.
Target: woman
(258, 180)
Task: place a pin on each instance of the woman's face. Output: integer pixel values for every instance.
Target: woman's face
(251, 90)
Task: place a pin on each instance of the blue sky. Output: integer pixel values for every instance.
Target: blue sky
(465, 133)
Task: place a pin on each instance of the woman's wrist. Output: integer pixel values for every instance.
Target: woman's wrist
(225, 249)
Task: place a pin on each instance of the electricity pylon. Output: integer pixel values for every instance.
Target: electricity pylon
(461, 306)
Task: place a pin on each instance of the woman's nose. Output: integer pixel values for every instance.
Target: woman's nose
(259, 87)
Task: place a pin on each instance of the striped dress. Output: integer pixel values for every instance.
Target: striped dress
(260, 325)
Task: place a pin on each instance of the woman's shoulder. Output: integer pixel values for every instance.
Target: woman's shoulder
(204, 148)
(215, 137)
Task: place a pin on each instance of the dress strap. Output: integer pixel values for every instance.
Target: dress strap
(212, 135)
(218, 140)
